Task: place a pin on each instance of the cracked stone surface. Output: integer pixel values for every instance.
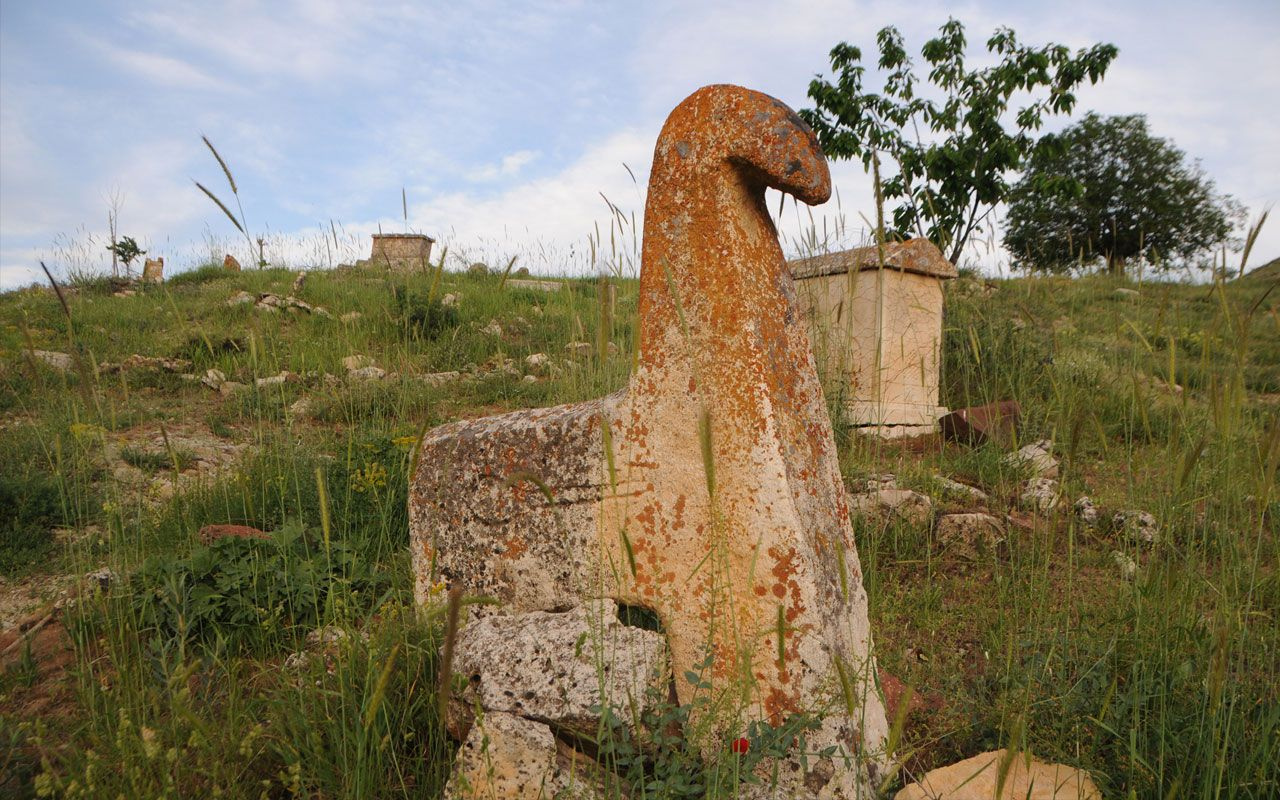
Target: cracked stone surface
(506, 757)
(708, 491)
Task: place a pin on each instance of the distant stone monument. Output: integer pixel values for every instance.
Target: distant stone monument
(877, 330)
(399, 252)
(708, 491)
(153, 270)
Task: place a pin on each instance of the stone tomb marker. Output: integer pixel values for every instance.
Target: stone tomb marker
(399, 252)
(879, 332)
(708, 491)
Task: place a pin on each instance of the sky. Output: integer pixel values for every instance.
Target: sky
(502, 127)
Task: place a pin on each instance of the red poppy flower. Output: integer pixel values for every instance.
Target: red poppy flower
(740, 746)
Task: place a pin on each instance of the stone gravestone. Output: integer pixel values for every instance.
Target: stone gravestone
(877, 330)
(399, 252)
(153, 270)
(708, 490)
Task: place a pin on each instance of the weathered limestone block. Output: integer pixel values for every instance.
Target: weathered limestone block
(708, 491)
(877, 329)
(554, 667)
(1024, 778)
(399, 252)
(153, 270)
(970, 535)
(902, 504)
(505, 757)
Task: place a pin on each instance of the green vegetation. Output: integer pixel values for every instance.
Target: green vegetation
(947, 184)
(177, 683)
(1106, 188)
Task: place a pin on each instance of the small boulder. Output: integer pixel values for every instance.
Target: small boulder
(1138, 526)
(213, 378)
(516, 759)
(357, 361)
(962, 489)
(537, 362)
(241, 298)
(1040, 494)
(579, 349)
(1002, 775)
(1127, 294)
(900, 504)
(228, 388)
(478, 268)
(298, 282)
(492, 329)
(970, 535)
(450, 300)
(1037, 458)
(1086, 511)
(153, 270)
(369, 373)
(230, 264)
(59, 361)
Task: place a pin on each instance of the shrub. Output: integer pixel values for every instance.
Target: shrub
(33, 505)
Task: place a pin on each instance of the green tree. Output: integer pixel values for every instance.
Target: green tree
(1105, 188)
(952, 153)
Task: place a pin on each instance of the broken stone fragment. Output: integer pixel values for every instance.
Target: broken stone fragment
(59, 361)
(1138, 526)
(1040, 494)
(370, 373)
(901, 504)
(958, 488)
(240, 298)
(1002, 775)
(492, 329)
(230, 264)
(478, 268)
(450, 300)
(537, 362)
(970, 535)
(213, 378)
(153, 270)
(1086, 511)
(1036, 458)
(561, 667)
(298, 281)
(228, 388)
(273, 380)
(508, 757)
(579, 349)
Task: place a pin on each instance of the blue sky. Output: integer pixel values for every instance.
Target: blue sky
(503, 122)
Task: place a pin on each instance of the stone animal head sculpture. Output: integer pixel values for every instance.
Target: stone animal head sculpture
(708, 491)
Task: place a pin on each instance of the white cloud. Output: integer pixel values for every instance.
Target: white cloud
(509, 167)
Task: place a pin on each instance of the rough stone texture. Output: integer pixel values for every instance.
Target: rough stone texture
(230, 264)
(956, 487)
(1040, 494)
(400, 252)
(978, 424)
(548, 666)
(153, 270)
(879, 329)
(614, 498)
(979, 778)
(1086, 511)
(903, 504)
(59, 361)
(505, 757)
(478, 268)
(1037, 458)
(970, 535)
(1138, 526)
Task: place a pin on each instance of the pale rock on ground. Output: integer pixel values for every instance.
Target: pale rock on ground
(579, 349)
(978, 778)
(274, 380)
(492, 329)
(509, 757)
(875, 483)
(1040, 494)
(1036, 457)
(1138, 526)
(903, 504)
(450, 300)
(537, 362)
(213, 378)
(1086, 511)
(556, 666)
(440, 378)
(970, 535)
(956, 487)
(59, 361)
(370, 373)
(228, 388)
(241, 298)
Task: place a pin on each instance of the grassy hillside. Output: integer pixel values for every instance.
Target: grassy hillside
(175, 677)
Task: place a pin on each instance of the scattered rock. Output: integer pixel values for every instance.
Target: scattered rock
(956, 487)
(515, 759)
(1127, 293)
(979, 778)
(370, 373)
(440, 378)
(492, 329)
(1086, 511)
(1128, 567)
(357, 361)
(478, 268)
(1138, 526)
(522, 272)
(100, 579)
(153, 363)
(59, 361)
(300, 407)
(230, 264)
(450, 300)
(529, 379)
(326, 638)
(978, 424)
(970, 535)
(211, 533)
(213, 378)
(298, 281)
(241, 297)
(228, 388)
(538, 362)
(1040, 494)
(875, 483)
(903, 504)
(273, 380)
(1037, 458)
(579, 349)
